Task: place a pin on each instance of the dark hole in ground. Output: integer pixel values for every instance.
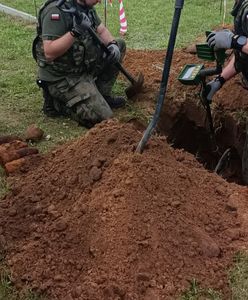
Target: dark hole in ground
(184, 133)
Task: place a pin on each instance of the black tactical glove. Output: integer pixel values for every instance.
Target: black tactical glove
(212, 87)
(80, 25)
(115, 54)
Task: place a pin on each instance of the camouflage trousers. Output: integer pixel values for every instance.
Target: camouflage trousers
(81, 97)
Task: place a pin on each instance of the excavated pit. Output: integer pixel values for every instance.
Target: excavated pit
(183, 119)
(185, 133)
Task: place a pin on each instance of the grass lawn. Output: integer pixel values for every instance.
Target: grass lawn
(149, 25)
(149, 21)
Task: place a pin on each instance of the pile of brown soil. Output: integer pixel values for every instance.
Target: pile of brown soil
(95, 220)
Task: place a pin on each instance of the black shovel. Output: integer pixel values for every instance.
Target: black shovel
(166, 71)
(136, 84)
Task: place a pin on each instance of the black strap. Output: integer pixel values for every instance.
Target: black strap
(35, 41)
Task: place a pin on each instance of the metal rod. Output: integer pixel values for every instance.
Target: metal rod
(165, 76)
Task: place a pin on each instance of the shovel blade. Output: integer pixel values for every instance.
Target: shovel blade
(135, 87)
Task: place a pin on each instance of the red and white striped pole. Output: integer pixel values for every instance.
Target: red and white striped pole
(123, 20)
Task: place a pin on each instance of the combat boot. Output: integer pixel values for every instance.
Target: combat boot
(48, 105)
(49, 109)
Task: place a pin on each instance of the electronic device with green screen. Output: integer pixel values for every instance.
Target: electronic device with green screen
(190, 74)
(193, 74)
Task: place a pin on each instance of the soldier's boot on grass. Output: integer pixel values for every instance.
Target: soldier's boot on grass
(48, 106)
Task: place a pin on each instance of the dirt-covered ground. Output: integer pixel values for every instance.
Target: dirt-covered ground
(95, 220)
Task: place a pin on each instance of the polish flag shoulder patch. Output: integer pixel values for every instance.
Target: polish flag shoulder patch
(55, 17)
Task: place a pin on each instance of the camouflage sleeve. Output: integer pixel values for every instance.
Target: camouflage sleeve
(53, 22)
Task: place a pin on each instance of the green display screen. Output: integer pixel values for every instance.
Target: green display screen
(190, 74)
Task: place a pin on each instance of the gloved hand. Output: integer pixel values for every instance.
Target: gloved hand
(80, 25)
(220, 39)
(115, 54)
(212, 88)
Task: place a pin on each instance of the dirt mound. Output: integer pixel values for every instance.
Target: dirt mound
(95, 220)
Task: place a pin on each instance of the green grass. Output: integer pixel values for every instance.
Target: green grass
(8, 292)
(28, 6)
(238, 281)
(239, 277)
(3, 186)
(149, 22)
(196, 292)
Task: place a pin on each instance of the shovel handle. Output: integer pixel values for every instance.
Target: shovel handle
(74, 12)
(125, 73)
(107, 51)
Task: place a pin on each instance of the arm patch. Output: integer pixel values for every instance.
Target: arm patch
(55, 17)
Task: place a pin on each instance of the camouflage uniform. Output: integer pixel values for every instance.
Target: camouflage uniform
(240, 13)
(78, 79)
